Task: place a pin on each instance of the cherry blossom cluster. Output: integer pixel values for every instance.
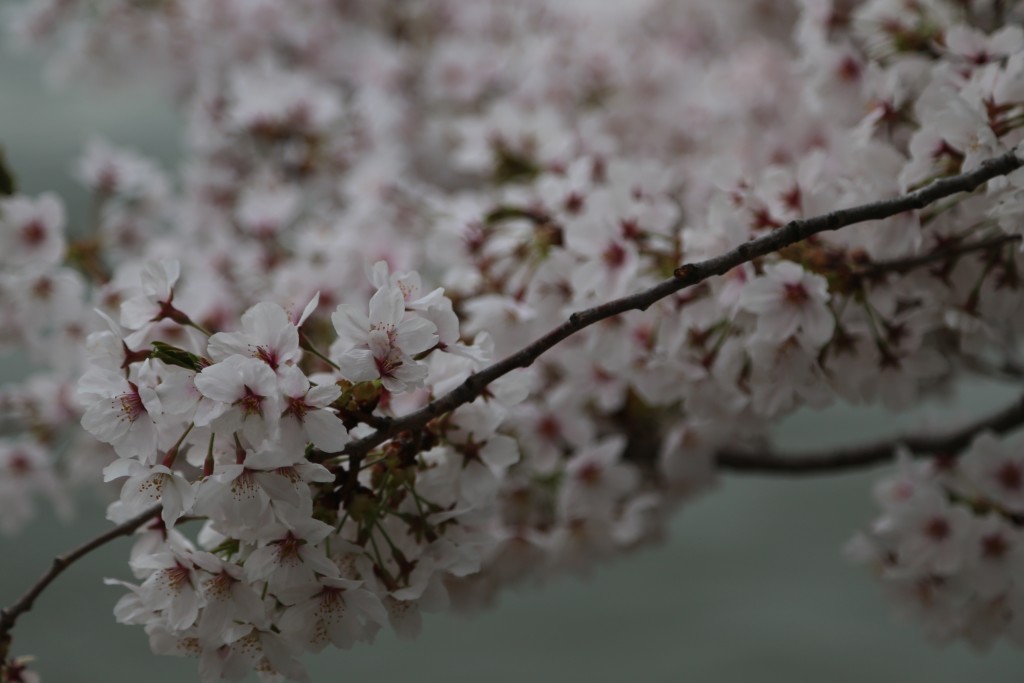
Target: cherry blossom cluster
(232, 429)
(378, 199)
(949, 545)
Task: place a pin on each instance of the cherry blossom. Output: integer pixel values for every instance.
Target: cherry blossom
(243, 395)
(121, 413)
(158, 279)
(267, 334)
(454, 181)
(384, 342)
(32, 230)
(789, 302)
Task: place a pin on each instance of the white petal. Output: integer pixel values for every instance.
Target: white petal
(415, 335)
(358, 365)
(351, 324)
(326, 430)
(500, 451)
(308, 310)
(387, 306)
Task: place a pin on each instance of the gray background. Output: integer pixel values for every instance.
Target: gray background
(749, 586)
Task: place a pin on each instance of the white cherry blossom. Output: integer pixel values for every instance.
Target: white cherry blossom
(789, 302)
(121, 413)
(381, 345)
(243, 395)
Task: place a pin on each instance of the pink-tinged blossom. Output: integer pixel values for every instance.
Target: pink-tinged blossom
(930, 536)
(260, 649)
(268, 99)
(242, 496)
(336, 614)
(410, 284)
(109, 170)
(978, 47)
(597, 480)
(381, 345)
(120, 412)
(291, 560)
(228, 599)
(264, 211)
(534, 180)
(307, 416)
(149, 485)
(243, 395)
(605, 239)
(789, 302)
(267, 334)
(32, 230)
(157, 279)
(994, 557)
(178, 394)
(995, 468)
(172, 587)
(27, 470)
(964, 127)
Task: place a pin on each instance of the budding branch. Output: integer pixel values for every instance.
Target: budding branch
(9, 615)
(835, 461)
(686, 276)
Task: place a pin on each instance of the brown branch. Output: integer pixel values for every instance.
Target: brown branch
(685, 276)
(837, 461)
(689, 275)
(1006, 369)
(903, 265)
(9, 615)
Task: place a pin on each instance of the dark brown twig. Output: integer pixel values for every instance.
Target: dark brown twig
(685, 276)
(689, 275)
(9, 615)
(904, 265)
(837, 461)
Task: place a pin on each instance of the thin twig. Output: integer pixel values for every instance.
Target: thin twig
(903, 265)
(837, 461)
(689, 275)
(1006, 369)
(9, 615)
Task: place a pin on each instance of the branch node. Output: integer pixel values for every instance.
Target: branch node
(685, 271)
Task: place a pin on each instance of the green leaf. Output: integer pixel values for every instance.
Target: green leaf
(172, 355)
(513, 167)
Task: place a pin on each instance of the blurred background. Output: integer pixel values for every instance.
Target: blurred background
(749, 585)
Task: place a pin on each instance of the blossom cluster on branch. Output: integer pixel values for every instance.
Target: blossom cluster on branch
(276, 351)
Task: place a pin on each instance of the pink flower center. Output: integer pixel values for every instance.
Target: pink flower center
(176, 576)
(251, 403)
(574, 203)
(849, 69)
(33, 233)
(219, 587)
(590, 474)
(297, 408)
(796, 293)
(267, 355)
(1009, 476)
(386, 366)
(994, 546)
(937, 529)
(331, 601)
(288, 549)
(614, 255)
(19, 465)
(549, 428)
(131, 403)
